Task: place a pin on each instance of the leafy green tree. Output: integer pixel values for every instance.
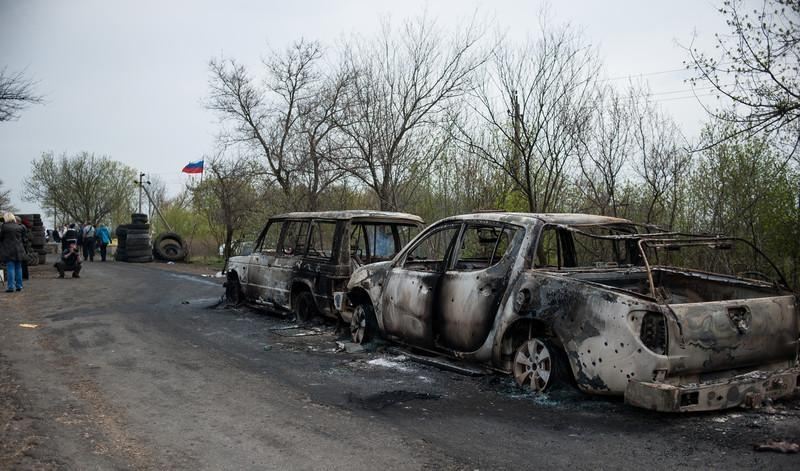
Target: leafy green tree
(83, 187)
(743, 187)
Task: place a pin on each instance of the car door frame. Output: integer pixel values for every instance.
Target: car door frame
(468, 300)
(409, 296)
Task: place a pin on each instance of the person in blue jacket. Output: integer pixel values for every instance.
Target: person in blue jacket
(103, 237)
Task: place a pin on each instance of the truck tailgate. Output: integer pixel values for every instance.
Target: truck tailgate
(723, 335)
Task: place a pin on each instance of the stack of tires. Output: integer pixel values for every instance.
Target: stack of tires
(37, 253)
(133, 240)
(169, 247)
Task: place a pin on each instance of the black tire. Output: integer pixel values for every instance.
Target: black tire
(122, 231)
(170, 235)
(146, 259)
(233, 289)
(138, 253)
(138, 216)
(138, 226)
(42, 258)
(169, 250)
(363, 324)
(304, 306)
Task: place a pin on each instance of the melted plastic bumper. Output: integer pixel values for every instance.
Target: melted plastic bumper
(749, 390)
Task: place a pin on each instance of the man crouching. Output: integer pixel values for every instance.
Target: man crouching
(70, 260)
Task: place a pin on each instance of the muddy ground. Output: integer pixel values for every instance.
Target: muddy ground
(129, 367)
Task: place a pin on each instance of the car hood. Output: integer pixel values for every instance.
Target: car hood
(368, 272)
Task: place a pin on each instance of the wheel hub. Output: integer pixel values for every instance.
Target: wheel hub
(533, 365)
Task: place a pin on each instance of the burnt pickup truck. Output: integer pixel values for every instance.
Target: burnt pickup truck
(300, 259)
(673, 322)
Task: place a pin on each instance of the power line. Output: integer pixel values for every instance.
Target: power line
(646, 74)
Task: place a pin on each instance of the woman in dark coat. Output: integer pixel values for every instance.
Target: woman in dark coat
(12, 250)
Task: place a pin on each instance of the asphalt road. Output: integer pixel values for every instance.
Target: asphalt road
(130, 367)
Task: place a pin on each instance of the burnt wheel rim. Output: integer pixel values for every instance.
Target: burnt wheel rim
(533, 365)
(358, 325)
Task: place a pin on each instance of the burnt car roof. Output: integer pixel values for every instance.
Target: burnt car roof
(358, 214)
(576, 219)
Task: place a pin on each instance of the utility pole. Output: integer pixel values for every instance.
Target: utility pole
(141, 175)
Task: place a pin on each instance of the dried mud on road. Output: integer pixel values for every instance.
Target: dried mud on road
(132, 367)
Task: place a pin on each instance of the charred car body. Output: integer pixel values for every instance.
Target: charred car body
(590, 299)
(300, 259)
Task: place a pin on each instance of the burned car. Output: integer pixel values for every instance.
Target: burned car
(300, 259)
(673, 322)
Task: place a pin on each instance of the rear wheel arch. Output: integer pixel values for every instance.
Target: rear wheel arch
(303, 302)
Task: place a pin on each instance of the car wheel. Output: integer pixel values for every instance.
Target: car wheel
(233, 289)
(363, 325)
(537, 365)
(304, 307)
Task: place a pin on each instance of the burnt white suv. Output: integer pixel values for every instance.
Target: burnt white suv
(300, 260)
(673, 322)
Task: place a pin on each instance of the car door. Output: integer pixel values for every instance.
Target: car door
(288, 260)
(258, 284)
(409, 294)
(472, 287)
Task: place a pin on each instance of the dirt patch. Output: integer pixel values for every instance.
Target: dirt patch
(19, 440)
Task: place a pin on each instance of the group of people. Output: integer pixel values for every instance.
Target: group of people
(14, 237)
(87, 237)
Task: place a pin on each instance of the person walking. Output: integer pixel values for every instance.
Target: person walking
(70, 234)
(12, 250)
(88, 242)
(103, 237)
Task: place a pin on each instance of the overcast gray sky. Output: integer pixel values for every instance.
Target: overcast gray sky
(127, 79)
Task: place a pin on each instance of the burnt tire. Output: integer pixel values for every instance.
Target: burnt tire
(233, 289)
(539, 365)
(304, 306)
(363, 324)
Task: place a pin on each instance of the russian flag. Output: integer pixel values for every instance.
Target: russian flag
(193, 167)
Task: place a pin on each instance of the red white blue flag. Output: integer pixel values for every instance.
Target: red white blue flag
(193, 167)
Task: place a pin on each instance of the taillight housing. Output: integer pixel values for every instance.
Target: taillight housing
(654, 332)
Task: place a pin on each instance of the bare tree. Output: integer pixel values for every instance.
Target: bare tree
(286, 119)
(5, 199)
(400, 87)
(606, 150)
(663, 161)
(228, 196)
(16, 93)
(321, 145)
(756, 68)
(533, 105)
(83, 187)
